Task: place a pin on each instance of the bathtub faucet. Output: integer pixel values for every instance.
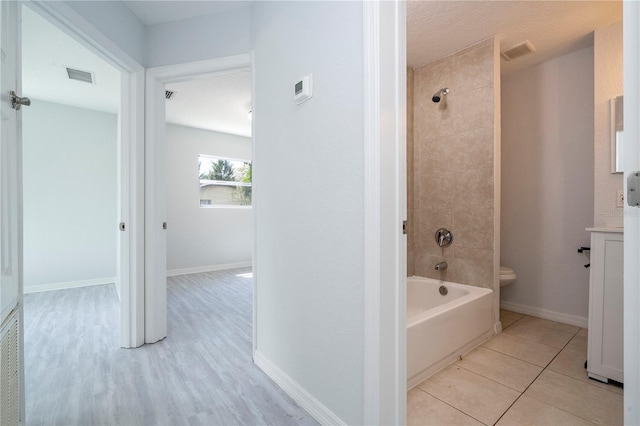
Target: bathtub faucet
(440, 266)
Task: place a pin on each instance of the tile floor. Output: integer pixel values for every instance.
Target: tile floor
(531, 374)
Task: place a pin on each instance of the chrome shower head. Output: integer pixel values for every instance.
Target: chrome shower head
(439, 94)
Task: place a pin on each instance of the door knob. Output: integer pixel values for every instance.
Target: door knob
(17, 101)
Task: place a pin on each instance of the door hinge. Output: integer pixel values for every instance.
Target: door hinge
(404, 227)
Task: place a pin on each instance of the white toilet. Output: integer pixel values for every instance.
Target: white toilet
(507, 276)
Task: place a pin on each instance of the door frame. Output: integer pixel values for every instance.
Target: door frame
(131, 162)
(155, 235)
(385, 200)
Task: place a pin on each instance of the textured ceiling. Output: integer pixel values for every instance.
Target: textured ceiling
(219, 103)
(436, 29)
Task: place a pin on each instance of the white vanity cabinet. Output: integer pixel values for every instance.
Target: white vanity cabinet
(605, 346)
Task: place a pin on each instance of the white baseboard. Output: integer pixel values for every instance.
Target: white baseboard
(68, 284)
(576, 320)
(199, 269)
(303, 398)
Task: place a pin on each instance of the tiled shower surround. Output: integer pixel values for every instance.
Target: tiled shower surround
(451, 165)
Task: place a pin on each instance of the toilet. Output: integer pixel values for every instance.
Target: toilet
(507, 276)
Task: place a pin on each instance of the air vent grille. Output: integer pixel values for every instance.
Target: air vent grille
(9, 381)
(85, 76)
(168, 94)
(518, 50)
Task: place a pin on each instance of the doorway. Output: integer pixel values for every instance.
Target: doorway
(70, 138)
(158, 83)
(208, 168)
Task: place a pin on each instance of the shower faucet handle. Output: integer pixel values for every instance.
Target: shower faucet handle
(444, 237)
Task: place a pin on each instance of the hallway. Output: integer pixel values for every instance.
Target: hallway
(201, 374)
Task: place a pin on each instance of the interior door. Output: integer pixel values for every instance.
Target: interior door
(11, 366)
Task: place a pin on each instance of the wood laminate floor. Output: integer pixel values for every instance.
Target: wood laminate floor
(201, 374)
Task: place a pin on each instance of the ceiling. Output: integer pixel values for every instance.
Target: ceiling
(47, 51)
(218, 103)
(159, 12)
(436, 29)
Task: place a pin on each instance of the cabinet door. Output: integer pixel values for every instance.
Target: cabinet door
(606, 307)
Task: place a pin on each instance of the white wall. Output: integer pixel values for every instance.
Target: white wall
(309, 236)
(117, 23)
(607, 48)
(70, 222)
(205, 37)
(202, 237)
(547, 183)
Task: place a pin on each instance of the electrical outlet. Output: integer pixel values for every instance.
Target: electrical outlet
(619, 198)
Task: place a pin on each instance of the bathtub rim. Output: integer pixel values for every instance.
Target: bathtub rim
(473, 293)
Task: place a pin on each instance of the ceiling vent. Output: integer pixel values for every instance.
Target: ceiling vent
(518, 50)
(168, 94)
(85, 76)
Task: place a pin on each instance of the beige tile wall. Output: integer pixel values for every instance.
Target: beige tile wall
(410, 201)
(451, 166)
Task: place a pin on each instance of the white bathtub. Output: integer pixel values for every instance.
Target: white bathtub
(441, 328)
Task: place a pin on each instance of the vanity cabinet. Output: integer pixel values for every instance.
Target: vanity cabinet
(605, 344)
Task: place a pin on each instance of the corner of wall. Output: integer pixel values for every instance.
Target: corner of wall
(410, 176)
(607, 84)
(497, 182)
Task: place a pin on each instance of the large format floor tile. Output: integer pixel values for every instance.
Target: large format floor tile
(570, 362)
(526, 350)
(529, 411)
(509, 314)
(549, 324)
(544, 359)
(537, 333)
(500, 368)
(585, 400)
(424, 409)
(506, 322)
(474, 395)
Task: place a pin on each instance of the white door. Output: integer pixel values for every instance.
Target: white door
(11, 366)
(631, 45)
(155, 270)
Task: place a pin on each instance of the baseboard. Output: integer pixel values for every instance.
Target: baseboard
(199, 269)
(67, 285)
(576, 320)
(303, 398)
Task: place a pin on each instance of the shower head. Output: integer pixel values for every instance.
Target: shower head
(439, 94)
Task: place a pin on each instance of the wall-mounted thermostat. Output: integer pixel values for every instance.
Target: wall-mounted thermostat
(303, 89)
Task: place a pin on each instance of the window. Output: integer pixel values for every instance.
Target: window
(224, 182)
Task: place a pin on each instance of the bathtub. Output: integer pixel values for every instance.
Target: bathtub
(442, 328)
